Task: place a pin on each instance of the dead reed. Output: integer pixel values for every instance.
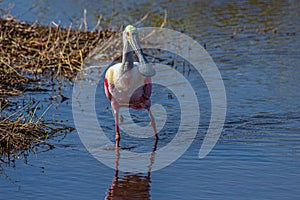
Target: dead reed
(30, 49)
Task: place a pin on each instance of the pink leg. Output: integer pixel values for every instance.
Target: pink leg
(115, 108)
(152, 123)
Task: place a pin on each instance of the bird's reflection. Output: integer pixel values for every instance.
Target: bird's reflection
(131, 186)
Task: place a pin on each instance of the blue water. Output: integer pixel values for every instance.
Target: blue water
(257, 155)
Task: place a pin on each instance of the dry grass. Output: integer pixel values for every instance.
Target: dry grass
(22, 130)
(18, 136)
(29, 49)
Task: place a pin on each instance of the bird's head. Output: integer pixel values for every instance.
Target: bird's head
(129, 30)
(131, 36)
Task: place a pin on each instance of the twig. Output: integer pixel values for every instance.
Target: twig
(165, 19)
(84, 20)
(26, 106)
(98, 24)
(143, 18)
(163, 24)
(44, 113)
(10, 67)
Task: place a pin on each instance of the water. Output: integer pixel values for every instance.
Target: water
(257, 156)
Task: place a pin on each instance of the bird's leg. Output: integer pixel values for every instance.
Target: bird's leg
(152, 123)
(116, 116)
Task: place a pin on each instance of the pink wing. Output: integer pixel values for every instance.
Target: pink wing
(107, 93)
(147, 88)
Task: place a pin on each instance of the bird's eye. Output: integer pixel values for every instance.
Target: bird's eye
(127, 33)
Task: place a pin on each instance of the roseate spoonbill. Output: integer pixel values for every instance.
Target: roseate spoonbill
(128, 84)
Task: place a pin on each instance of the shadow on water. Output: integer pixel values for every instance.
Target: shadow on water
(131, 186)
